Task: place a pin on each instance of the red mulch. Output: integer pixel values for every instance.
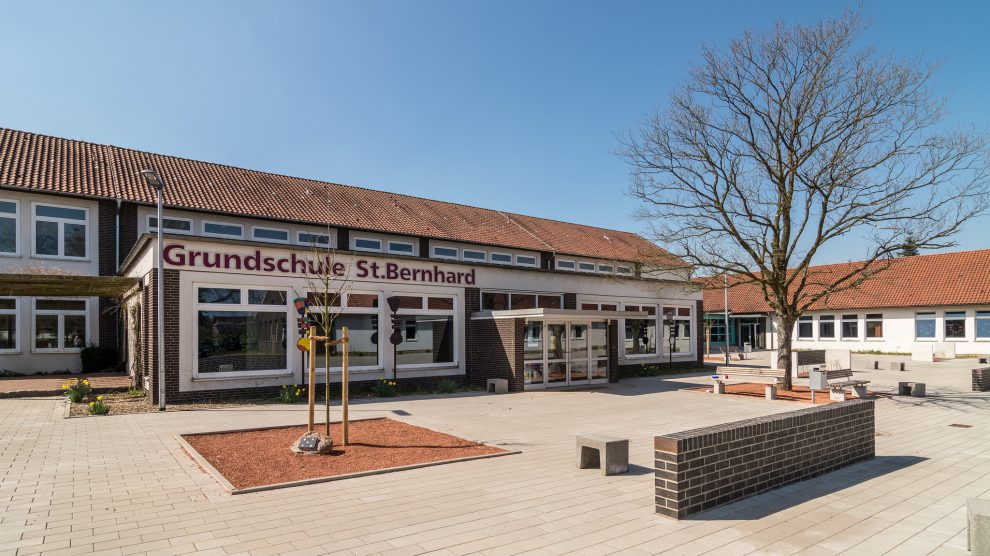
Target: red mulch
(263, 457)
(797, 394)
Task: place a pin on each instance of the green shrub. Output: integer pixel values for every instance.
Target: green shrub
(385, 389)
(99, 407)
(95, 358)
(135, 392)
(650, 370)
(291, 394)
(76, 389)
(446, 386)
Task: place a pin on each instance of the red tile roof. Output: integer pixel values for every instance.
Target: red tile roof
(56, 165)
(942, 279)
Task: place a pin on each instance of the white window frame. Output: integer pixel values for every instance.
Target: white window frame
(797, 327)
(356, 239)
(624, 270)
(435, 255)
(835, 333)
(657, 320)
(150, 228)
(240, 235)
(61, 231)
(511, 293)
(945, 325)
(866, 327)
(288, 234)
(60, 328)
(594, 267)
(299, 240)
(457, 327)
(977, 317)
(842, 329)
(482, 259)
(602, 267)
(17, 227)
(243, 306)
(411, 245)
(663, 323)
(534, 264)
(569, 261)
(491, 257)
(16, 311)
(928, 315)
(383, 318)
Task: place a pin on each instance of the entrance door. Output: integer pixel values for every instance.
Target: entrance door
(575, 354)
(745, 334)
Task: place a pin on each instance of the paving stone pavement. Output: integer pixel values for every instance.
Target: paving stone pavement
(121, 484)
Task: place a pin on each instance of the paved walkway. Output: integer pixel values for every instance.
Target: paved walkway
(120, 485)
(52, 384)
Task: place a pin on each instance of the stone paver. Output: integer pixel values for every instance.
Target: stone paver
(121, 485)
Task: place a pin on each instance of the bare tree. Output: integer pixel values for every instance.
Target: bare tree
(790, 140)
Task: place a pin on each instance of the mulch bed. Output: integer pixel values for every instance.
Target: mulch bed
(797, 394)
(263, 457)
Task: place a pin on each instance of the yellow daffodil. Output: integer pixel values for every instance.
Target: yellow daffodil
(99, 398)
(86, 382)
(91, 404)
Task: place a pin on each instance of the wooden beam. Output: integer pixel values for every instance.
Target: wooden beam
(62, 286)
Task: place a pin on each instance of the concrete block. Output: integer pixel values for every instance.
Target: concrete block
(896, 366)
(498, 386)
(837, 395)
(978, 526)
(718, 387)
(923, 352)
(903, 388)
(918, 389)
(771, 392)
(609, 453)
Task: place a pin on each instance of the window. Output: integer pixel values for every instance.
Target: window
(533, 352)
(805, 327)
(359, 313)
(494, 301)
(217, 229)
(624, 270)
(277, 235)
(472, 255)
(641, 337)
(60, 324)
(8, 324)
(983, 325)
(525, 260)
(606, 268)
(681, 328)
(874, 326)
(501, 258)
(430, 321)
(365, 244)
(502, 301)
(850, 327)
(445, 252)
(586, 267)
(924, 326)
(826, 327)
(313, 239)
(955, 325)
(8, 228)
(60, 231)
(566, 265)
(241, 330)
(400, 247)
(173, 224)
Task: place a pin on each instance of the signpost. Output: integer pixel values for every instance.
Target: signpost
(668, 319)
(396, 338)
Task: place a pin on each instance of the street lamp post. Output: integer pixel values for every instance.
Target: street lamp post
(151, 176)
(726, 307)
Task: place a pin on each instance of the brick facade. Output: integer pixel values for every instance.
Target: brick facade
(700, 469)
(495, 350)
(981, 379)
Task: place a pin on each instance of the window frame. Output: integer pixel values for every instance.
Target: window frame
(435, 255)
(425, 310)
(299, 240)
(876, 317)
(356, 239)
(411, 245)
(934, 318)
(657, 324)
(16, 312)
(16, 216)
(493, 254)
(610, 269)
(571, 262)
(955, 317)
(594, 267)
(61, 231)
(60, 327)
(830, 319)
(483, 259)
(677, 317)
(977, 317)
(842, 330)
(205, 223)
(810, 320)
(243, 306)
(380, 312)
(624, 270)
(534, 264)
(154, 229)
(286, 241)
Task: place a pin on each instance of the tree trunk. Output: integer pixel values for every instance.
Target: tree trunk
(785, 332)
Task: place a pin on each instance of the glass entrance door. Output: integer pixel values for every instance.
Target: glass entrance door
(567, 353)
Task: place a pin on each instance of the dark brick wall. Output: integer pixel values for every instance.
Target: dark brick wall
(128, 228)
(108, 318)
(700, 469)
(613, 351)
(171, 334)
(495, 350)
(981, 379)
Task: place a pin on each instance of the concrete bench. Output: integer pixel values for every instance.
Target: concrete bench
(843, 378)
(915, 389)
(498, 386)
(610, 453)
(761, 375)
(978, 529)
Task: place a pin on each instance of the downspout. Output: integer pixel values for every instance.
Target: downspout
(116, 243)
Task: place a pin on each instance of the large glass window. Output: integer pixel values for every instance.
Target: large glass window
(359, 313)
(850, 327)
(874, 326)
(8, 227)
(598, 341)
(641, 337)
(60, 231)
(60, 324)
(429, 333)
(983, 325)
(924, 326)
(8, 324)
(681, 328)
(241, 330)
(805, 327)
(533, 352)
(826, 327)
(955, 325)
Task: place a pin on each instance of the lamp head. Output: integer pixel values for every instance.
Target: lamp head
(152, 178)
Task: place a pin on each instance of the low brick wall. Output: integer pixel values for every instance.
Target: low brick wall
(699, 469)
(981, 379)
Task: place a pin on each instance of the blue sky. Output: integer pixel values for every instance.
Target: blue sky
(512, 105)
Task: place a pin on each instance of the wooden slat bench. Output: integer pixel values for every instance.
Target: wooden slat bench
(762, 375)
(840, 379)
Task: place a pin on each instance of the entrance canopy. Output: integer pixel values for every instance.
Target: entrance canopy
(64, 286)
(559, 314)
